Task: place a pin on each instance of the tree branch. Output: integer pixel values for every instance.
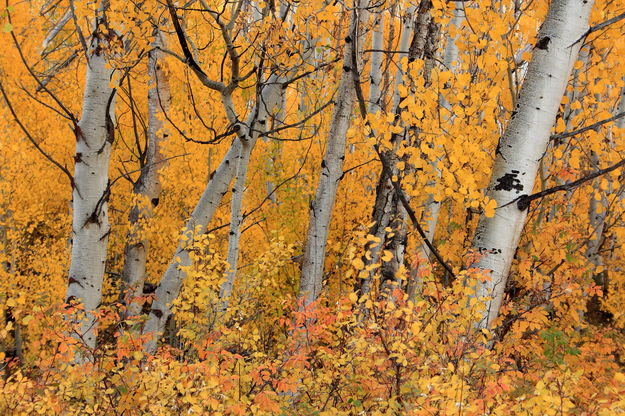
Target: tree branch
(189, 60)
(32, 140)
(585, 129)
(600, 26)
(523, 201)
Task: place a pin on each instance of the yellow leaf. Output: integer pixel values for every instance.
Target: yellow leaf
(353, 297)
(387, 255)
(358, 263)
(489, 208)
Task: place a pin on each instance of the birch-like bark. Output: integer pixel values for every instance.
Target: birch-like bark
(419, 42)
(423, 46)
(524, 144)
(90, 225)
(450, 58)
(598, 210)
(147, 189)
(620, 123)
(432, 206)
(236, 218)
(375, 77)
(331, 169)
(171, 282)
(271, 105)
(404, 44)
(384, 206)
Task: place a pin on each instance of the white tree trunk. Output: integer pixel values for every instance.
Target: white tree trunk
(331, 171)
(404, 44)
(236, 218)
(597, 211)
(620, 123)
(524, 144)
(377, 44)
(148, 186)
(171, 282)
(90, 225)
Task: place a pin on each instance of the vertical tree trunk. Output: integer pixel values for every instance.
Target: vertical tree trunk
(148, 186)
(597, 212)
(620, 123)
(524, 144)
(423, 46)
(418, 39)
(90, 225)
(377, 44)
(432, 206)
(384, 206)
(331, 168)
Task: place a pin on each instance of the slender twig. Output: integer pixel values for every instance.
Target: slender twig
(600, 26)
(31, 139)
(523, 201)
(189, 59)
(585, 129)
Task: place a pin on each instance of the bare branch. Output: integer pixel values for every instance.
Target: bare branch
(188, 56)
(585, 129)
(523, 201)
(32, 140)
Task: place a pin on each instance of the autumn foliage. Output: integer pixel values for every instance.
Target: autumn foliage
(412, 344)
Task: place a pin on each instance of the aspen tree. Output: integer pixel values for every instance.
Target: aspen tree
(90, 225)
(432, 206)
(420, 41)
(383, 206)
(270, 105)
(377, 46)
(233, 165)
(147, 189)
(524, 144)
(331, 166)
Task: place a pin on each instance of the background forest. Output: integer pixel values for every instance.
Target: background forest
(312, 207)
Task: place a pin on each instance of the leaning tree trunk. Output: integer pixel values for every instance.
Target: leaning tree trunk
(524, 144)
(148, 187)
(90, 226)
(171, 282)
(236, 219)
(331, 169)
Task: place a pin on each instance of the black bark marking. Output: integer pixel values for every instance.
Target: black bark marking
(72, 281)
(158, 313)
(509, 182)
(543, 43)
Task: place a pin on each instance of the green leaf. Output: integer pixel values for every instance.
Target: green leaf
(8, 27)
